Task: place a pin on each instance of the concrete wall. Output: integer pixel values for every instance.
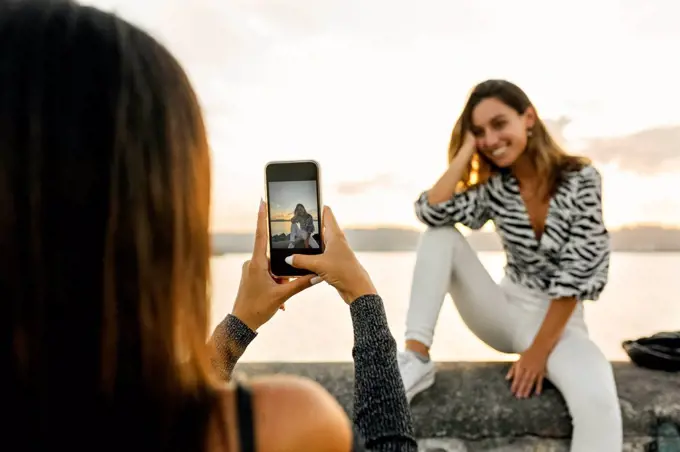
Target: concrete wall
(470, 407)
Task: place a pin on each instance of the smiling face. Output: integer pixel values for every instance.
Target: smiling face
(500, 131)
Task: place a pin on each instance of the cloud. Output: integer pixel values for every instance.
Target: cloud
(647, 152)
(556, 127)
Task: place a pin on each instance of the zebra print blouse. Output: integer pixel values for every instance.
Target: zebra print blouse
(306, 222)
(571, 259)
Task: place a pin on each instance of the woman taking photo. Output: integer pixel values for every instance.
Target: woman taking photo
(546, 207)
(105, 251)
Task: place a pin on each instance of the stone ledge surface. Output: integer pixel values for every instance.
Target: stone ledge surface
(470, 407)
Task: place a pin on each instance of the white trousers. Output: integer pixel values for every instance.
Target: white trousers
(296, 234)
(507, 317)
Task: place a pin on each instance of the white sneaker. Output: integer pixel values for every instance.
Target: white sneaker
(416, 375)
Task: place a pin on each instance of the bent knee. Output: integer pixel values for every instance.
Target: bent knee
(440, 243)
(442, 234)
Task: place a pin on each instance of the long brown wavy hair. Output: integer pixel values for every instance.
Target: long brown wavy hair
(550, 159)
(104, 236)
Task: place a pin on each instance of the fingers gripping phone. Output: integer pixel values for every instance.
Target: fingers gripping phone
(293, 213)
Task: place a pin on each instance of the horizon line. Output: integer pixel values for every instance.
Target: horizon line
(642, 225)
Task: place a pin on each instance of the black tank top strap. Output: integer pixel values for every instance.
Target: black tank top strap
(246, 424)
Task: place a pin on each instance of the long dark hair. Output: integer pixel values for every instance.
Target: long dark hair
(298, 207)
(104, 242)
(550, 158)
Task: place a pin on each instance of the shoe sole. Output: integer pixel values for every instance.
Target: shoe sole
(420, 386)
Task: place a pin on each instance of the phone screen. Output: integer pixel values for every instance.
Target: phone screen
(294, 213)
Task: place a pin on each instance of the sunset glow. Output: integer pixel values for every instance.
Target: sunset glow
(372, 89)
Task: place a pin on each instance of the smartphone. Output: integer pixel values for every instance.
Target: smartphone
(293, 192)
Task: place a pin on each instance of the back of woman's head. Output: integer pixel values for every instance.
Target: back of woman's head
(104, 243)
(547, 155)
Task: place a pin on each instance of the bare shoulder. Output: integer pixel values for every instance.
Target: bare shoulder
(291, 413)
(295, 413)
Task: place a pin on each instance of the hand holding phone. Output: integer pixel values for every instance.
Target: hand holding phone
(294, 210)
(259, 295)
(338, 265)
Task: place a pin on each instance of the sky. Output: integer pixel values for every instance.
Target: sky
(284, 196)
(371, 88)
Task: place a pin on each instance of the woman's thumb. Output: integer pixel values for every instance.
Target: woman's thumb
(304, 261)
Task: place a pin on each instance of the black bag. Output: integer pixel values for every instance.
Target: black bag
(660, 351)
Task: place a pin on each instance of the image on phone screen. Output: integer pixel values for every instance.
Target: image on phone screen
(294, 215)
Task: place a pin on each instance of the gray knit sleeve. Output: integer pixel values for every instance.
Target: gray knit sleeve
(230, 339)
(382, 419)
